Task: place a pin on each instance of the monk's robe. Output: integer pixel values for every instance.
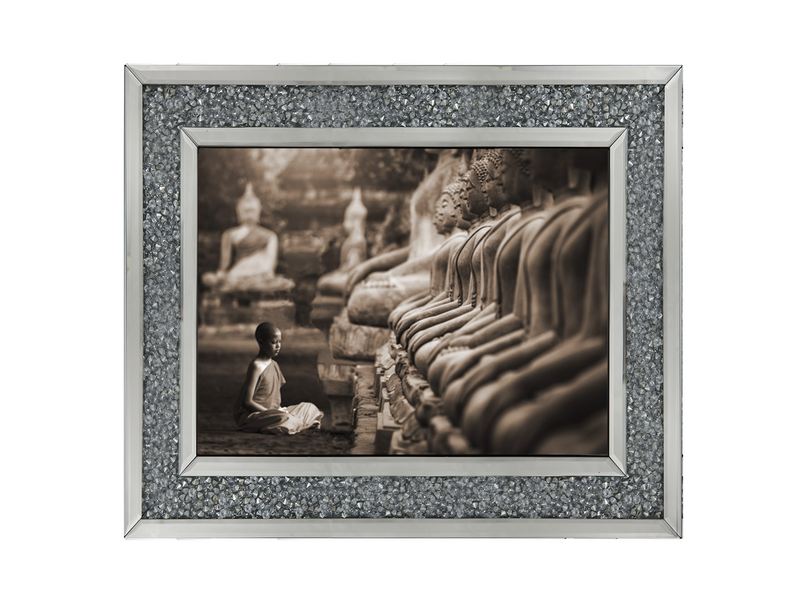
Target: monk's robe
(276, 420)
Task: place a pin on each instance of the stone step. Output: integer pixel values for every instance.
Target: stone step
(355, 342)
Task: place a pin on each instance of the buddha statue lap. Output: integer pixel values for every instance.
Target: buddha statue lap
(565, 419)
(581, 329)
(531, 307)
(524, 301)
(494, 322)
(249, 253)
(372, 294)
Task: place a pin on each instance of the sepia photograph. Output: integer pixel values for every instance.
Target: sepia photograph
(402, 301)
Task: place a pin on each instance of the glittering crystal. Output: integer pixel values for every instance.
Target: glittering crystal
(167, 108)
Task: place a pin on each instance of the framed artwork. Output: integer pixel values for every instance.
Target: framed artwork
(403, 301)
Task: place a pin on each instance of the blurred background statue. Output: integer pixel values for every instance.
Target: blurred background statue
(377, 286)
(353, 250)
(249, 253)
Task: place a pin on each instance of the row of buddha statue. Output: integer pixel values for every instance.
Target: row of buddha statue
(505, 332)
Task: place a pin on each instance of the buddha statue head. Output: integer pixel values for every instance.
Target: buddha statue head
(491, 173)
(548, 174)
(474, 203)
(448, 209)
(517, 181)
(248, 207)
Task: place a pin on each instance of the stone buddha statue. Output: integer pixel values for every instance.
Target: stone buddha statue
(533, 203)
(564, 392)
(507, 186)
(528, 330)
(458, 296)
(576, 342)
(249, 253)
(448, 222)
(454, 355)
(353, 250)
(377, 286)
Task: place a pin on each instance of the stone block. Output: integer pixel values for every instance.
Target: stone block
(402, 446)
(355, 342)
(324, 310)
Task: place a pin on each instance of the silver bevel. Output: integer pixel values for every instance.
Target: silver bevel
(383, 137)
(339, 466)
(189, 293)
(402, 528)
(132, 456)
(617, 296)
(672, 303)
(192, 465)
(363, 75)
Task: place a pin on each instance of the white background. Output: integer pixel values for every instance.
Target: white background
(62, 300)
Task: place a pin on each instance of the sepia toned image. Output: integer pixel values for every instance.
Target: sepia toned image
(403, 301)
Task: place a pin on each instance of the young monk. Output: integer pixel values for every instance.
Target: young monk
(258, 405)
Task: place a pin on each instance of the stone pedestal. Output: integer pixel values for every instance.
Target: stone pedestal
(355, 342)
(386, 425)
(221, 308)
(339, 381)
(325, 309)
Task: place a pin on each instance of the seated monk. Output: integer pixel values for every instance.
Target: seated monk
(353, 250)
(506, 185)
(523, 298)
(580, 275)
(448, 222)
(457, 301)
(406, 272)
(249, 252)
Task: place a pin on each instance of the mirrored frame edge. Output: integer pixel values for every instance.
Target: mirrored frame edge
(135, 526)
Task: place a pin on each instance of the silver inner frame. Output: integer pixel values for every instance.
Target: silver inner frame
(193, 138)
(670, 77)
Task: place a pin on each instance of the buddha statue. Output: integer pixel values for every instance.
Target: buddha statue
(528, 330)
(579, 344)
(249, 253)
(353, 250)
(568, 412)
(448, 222)
(457, 299)
(453, 348)
(507, 186)
(547, 171)
(377, 286)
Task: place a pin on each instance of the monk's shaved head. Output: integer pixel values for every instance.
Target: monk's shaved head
(265, 331)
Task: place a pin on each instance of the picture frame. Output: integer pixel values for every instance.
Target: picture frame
(164, 389)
